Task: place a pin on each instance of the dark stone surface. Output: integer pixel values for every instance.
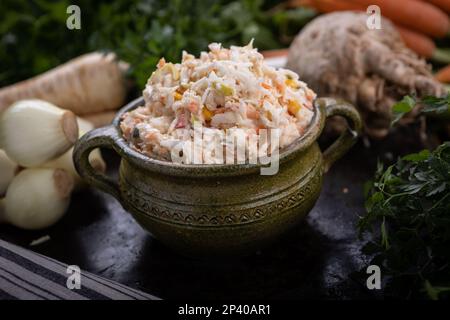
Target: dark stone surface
(315, 261)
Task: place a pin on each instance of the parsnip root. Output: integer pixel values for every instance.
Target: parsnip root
(91, 83)
(100, 119)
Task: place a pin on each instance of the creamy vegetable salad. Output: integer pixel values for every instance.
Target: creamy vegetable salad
(221, 90)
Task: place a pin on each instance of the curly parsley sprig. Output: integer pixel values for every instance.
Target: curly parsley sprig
(430, 106)
(408, 204)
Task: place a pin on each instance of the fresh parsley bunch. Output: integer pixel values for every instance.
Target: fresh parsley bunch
(408, 204)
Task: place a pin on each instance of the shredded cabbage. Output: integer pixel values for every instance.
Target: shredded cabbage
(223, 89)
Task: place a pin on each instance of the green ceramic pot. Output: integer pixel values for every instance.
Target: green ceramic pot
(207, 210)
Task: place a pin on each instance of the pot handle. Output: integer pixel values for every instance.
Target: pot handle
(104, 137)
(337, 107)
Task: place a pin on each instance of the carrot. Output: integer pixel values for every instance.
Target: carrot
(443, 4)
(443, 75)
(90, 83)
(419, 43)
(414, 14)
(252, 113)
(423, 45)
(274, 53)
(266, 86)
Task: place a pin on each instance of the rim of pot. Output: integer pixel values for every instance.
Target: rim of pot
(287, 153)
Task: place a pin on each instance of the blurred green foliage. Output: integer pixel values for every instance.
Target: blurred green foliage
(34, 37)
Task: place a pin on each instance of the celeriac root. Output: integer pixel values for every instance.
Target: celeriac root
(337, 55)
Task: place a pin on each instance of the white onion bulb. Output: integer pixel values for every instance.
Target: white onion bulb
(66, 161)
(34, 131)
(37, 198)
(8, 169)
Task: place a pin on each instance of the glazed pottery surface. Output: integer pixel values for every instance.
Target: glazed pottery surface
(218, 209)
